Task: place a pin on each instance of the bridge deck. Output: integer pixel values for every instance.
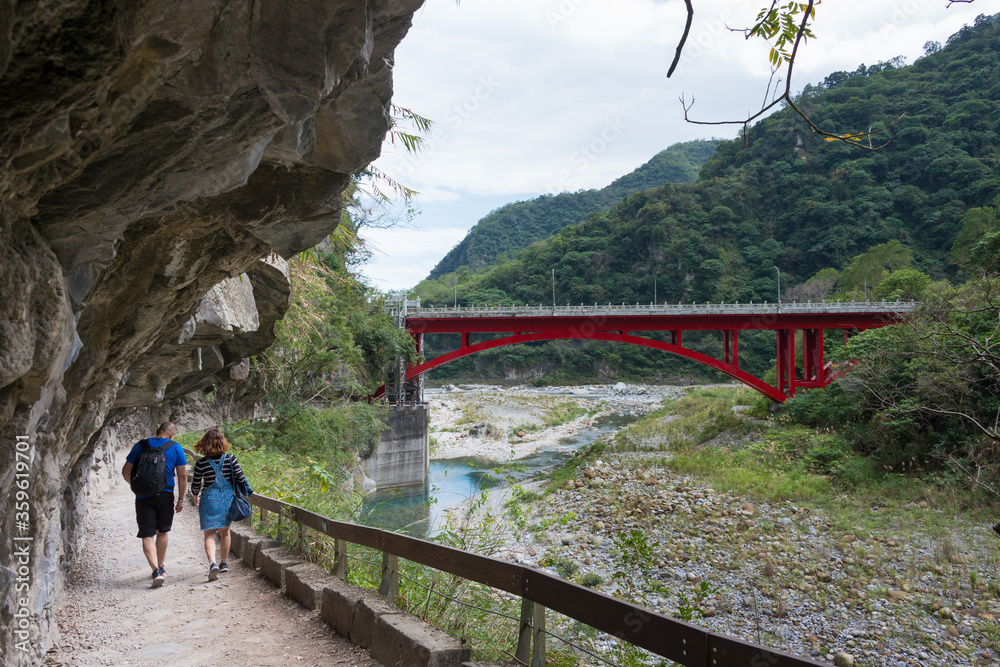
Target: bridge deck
(873, 308)
(682, 317)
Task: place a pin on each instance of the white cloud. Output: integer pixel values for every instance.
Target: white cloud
(403, 257)
(523, 91)
(516, 87)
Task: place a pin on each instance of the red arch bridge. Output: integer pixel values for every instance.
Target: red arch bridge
(523, 324)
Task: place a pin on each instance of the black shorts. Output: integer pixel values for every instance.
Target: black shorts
(155, 514)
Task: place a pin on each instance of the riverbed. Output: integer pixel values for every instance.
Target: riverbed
(791, 576)
(489, 437)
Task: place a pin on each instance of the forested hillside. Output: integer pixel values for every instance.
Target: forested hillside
(513, 227)
(831, 217)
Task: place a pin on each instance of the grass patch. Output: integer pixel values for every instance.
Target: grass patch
(551, 416)
(581, 458)
(471, 414)
(771, 459)
(694, 418)
(561, 413)
(300, 480)
(756, 472)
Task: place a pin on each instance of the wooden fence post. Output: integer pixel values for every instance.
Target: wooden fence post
(340, 559)
(523, 652)
(263, 519)
(389, 588)
(538, 651)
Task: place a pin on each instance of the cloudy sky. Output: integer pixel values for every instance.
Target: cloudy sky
(537, 96)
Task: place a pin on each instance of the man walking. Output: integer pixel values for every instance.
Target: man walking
(149, 469)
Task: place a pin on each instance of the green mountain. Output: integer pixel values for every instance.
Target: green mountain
(788, 201)
(513, 227)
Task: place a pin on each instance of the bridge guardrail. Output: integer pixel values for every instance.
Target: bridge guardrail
(893, 307)
(684, 643)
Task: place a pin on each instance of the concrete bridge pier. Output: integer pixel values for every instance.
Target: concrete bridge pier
(403, 453)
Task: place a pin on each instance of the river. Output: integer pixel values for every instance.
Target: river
(418, 511)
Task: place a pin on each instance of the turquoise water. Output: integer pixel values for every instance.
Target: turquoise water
(417, 510)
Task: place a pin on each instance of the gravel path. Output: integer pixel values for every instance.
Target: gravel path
(108, 615)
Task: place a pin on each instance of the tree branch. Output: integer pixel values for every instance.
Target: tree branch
(863, 140)
(680, 44)
(991, 434)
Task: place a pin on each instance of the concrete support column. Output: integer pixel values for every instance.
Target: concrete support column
(402, 456)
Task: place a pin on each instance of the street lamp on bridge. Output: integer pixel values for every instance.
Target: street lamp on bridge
(779, 284)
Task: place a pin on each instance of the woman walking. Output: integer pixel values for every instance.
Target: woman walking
(216, 477)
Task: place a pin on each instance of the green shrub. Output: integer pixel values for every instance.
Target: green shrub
(591, 580)
(855, 471)
(564, 567)
(825, 453)
(829, 406)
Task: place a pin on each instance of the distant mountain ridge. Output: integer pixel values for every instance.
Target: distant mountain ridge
(515, 226)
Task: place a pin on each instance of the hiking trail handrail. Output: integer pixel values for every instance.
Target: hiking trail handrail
(684, 643)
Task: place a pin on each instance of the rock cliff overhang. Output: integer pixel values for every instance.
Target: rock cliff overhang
(149, 151)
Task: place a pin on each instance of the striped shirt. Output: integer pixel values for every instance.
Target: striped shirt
(204, 473)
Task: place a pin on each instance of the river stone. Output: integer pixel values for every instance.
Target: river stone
(843, 659)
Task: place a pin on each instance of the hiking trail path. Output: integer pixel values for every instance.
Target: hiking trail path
(109, 615)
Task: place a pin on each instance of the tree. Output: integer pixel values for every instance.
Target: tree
(816, 288)
(868, 269)
(930, 390)
(786, 27)
(334, 343)
(975, 225)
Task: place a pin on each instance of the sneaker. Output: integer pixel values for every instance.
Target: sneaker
(213, 572)
(223, 566)
(159, 575)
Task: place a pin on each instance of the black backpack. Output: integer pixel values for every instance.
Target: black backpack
(149, 474)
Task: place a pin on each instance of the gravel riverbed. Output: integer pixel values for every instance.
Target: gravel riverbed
(784, 576)
(496, 423)
(788, 576)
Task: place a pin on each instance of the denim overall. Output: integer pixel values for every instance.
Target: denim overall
(213, 508)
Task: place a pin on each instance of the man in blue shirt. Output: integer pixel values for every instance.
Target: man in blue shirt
(155, 514)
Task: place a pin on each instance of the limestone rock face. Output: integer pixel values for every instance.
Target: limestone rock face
(158, 160)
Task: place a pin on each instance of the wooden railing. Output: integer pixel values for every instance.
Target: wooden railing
(675, 640)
